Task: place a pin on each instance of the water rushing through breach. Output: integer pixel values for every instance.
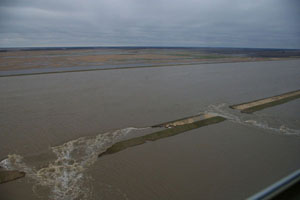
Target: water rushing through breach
(64, 177)
(261, 121)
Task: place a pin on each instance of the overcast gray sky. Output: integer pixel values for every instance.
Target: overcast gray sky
(203, 23)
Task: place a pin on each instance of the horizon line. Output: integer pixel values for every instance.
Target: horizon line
(137, 46)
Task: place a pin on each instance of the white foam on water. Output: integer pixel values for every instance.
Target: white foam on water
(64, 177)
(260, 121)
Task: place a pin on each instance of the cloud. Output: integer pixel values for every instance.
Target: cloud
(231, 23)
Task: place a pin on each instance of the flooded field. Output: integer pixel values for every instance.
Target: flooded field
(55, 126)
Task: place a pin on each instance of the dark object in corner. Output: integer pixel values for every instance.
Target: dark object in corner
(6, 176)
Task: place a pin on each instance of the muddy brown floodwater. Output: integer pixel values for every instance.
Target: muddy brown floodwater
(54, 126)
